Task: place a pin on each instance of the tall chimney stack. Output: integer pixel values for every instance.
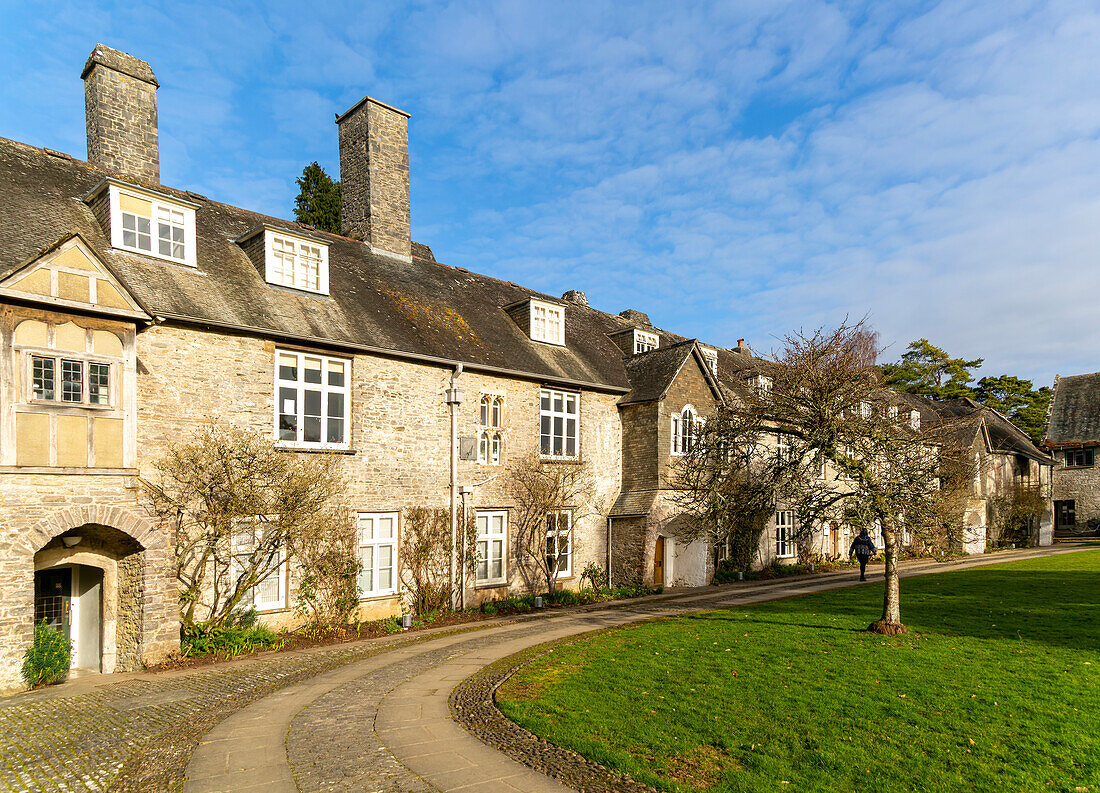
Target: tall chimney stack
(120, 102)
(374, 177)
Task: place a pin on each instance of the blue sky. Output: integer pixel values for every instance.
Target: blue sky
(736, 170)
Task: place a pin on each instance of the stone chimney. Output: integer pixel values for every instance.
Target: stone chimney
(576, 296)
(120, 102)
(374, 177)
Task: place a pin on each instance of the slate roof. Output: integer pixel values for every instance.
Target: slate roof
(970, 418)
(420, 308)
(1074, 417)
(651, 373)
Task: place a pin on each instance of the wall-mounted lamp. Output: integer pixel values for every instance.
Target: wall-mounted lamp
(71, 541)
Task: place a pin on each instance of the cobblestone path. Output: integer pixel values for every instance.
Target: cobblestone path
(373, 715)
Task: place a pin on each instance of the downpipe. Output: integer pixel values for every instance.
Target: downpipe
(454, 396)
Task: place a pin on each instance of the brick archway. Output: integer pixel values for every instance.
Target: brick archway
(126, 520)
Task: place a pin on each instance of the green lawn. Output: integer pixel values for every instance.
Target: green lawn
(995, 688)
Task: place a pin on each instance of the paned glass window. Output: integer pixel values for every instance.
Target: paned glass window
(559, 526)
(492, 539)
(71, 390)
(297, 263)
(684, 427)
(136, 232)
(99, 383)
(249, 553)
(1076, 458)
(559, 418)
(72, 381)
(151, 224)
(42, 376)
(171, 232)
(312, 397)
(547, 323)
(490, 442)
(784, 534)
(378, 553)
(644, 342)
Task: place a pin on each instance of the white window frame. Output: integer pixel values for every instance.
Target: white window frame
(374, 543)
(783, 447)
(551, 395)
(547, 323)
(914, 419)
(489, 538)
(490, 440)
(784, 534)
(299, 275)
(300, 387)
(684, 430)
(762, 384)
(281, 571)
(86, 361)
(865, 410)
(157, 203)
(554, 531)
(711, 357)
(644, 342)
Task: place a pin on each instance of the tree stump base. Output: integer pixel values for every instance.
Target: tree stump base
(887, 628)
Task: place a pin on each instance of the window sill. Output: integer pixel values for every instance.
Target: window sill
(68, 471)
(379, 596)
(561, 460)
(158, 256)
(282, 447)
(490, 584)
(57, 404)
(271, 609)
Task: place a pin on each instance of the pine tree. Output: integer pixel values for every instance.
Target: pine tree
(318, 201)
(927, 370)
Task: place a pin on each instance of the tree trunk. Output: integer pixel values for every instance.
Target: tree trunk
(890, 624)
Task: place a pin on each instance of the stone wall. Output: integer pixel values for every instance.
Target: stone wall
(1082, 486)
(120, 100)
(374, 176)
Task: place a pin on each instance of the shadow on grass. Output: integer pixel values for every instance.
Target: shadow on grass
(1058, 608)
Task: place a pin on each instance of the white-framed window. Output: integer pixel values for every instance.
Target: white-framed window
(711, 357)
(559, 545)
(68, 380)
(559, 420)
(152, 224)
(849, 454)
(782, 448)
(377, 553)
(312, 396)
(914, 420)
(891, 412)
(1075, 458)
(490, 441)
(547, 322)
(683, 430)
(762, 384)
(270, 593)
(784, 534)
(644, 342)
(492, 544)
(865, 410)
(296, 262)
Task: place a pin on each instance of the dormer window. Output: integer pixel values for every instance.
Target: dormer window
(914, 420)
(711, 357)
(547, 322)
(644, 342)
(297, 262)
(892, 412)
(865, 410)
(762, 384)
(151, 223)
(285, 258)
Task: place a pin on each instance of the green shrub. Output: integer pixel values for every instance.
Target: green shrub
(594, 576)
(241, 634)
(725, 572)
(48, 658)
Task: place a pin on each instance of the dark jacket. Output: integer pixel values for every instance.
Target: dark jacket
(862, 547)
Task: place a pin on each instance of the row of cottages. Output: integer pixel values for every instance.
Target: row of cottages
(1072, 436)
(133, 312)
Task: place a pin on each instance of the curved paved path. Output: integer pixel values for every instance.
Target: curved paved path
(384, 724)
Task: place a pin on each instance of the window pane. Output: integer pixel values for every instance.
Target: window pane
(43, 378)
(385, 528)
(72, 381)
(545, 446)
(336, 373)
(366, 575)
(312, 371)
(288, 367)
(498, 559)
(545, 400)
(99, 392)
(496, 412)
(311, 419)
(288, 414)
(335, 431)
(559, 431)
(484, 411)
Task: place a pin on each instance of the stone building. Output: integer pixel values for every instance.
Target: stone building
(1072, 436)
(1009, 469)
(133, 313)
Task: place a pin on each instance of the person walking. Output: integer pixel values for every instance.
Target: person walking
(863, 549)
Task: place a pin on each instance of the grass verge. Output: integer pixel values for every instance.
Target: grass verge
(997, 687)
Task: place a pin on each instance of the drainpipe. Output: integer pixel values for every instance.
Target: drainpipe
(609, 552)
(454, 396)
(465, 492)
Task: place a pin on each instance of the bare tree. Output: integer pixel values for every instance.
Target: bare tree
(240, 509)
(550, 499)
(828, 442)
(328, 567)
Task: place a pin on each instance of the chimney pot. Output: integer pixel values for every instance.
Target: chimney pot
(374, 177)
(120, 106)
(740, 344)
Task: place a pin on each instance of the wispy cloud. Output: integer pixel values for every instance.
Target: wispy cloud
(733, 169)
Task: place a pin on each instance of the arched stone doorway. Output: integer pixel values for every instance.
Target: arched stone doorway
(89, 583)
